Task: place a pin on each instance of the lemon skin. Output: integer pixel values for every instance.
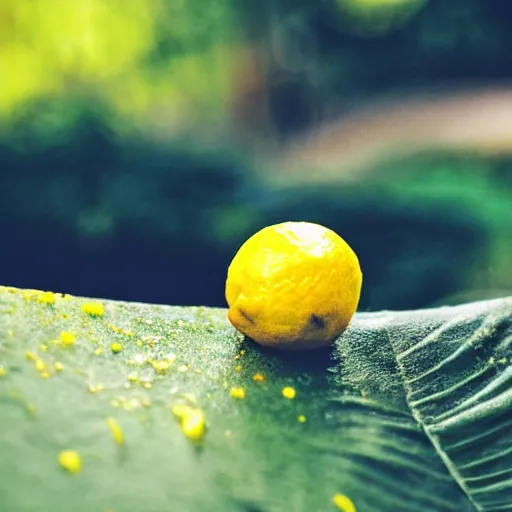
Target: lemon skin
(294, 286)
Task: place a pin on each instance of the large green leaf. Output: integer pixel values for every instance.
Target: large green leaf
(408, 411)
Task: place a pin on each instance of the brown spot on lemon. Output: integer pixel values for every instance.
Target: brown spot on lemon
(294, 285)
(317, 321)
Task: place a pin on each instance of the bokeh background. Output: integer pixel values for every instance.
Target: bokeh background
(142, 141)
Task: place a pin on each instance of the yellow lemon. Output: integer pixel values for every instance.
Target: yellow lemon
(293, 285)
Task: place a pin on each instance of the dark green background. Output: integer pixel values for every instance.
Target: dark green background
(94, 203)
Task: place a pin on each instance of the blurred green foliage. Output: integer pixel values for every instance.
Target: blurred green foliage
(134, 55)
(105, 189)
(129, 54)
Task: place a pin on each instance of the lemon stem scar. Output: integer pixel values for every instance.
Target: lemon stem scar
(294, 285)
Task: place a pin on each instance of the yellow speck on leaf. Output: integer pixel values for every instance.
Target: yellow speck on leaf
(98, 351)
(3, 371)
(95, 388)
(67, 338)
(45, 374)
(40, 365)
(116, 348)
(30, 356)
(94, 309)
(30, 294)
(58, 366)
(181, 410)
(46, 298)
(160, 366)
(115, 328)
(343, 503)
(302, 419)
(191, 420)
(43, 347)
(139, 343)
(133, 377)
(116, 429)
(238, 368)
(146, 382)
(70, 461)
(289, 392)
(258, 377)
(238, 392)
(128, 405)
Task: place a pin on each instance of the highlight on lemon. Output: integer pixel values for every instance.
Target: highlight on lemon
(294, 285)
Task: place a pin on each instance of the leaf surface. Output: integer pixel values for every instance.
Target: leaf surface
(408, 411)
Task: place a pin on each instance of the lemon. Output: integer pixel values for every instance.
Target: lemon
(294, 285)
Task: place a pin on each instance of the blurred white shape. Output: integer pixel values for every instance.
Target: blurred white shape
(470, 121)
